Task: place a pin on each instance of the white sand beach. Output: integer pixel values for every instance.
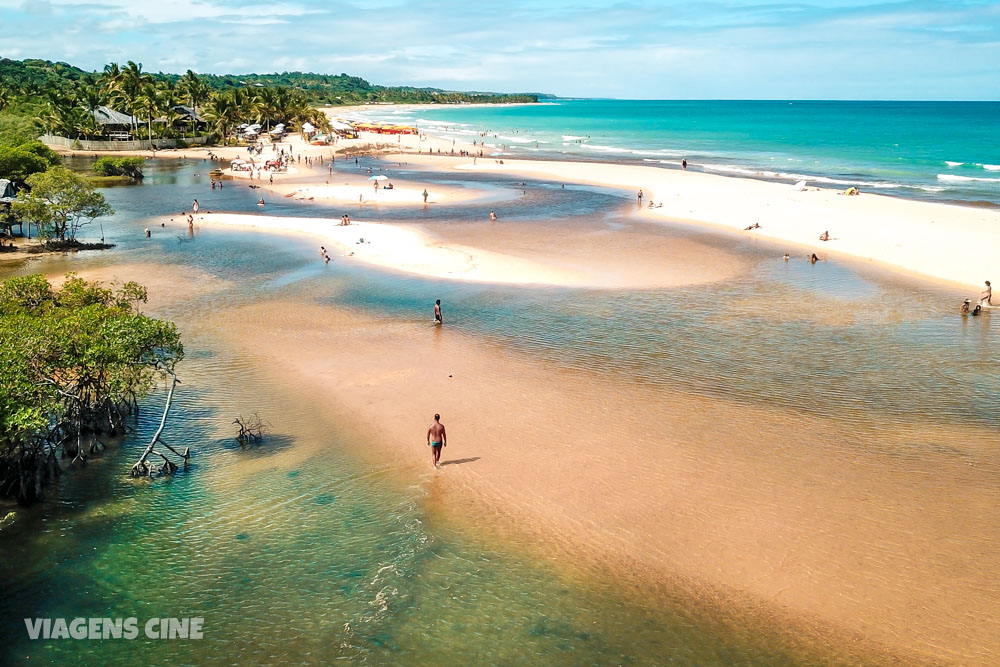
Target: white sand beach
(497, 258)
(951, 244)
(942, 242)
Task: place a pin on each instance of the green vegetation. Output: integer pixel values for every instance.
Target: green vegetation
(129, 167)
(73, 364)
(35, 78)
(39, 95)
(60, 202)
(19, 162)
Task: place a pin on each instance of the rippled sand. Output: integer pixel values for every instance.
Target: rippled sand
(834, 527)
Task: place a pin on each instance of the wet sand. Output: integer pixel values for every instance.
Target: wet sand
(947, 243)
(788, 515)
(943, 242)
(582, 255)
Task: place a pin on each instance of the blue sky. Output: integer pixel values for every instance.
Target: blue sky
(832, 49)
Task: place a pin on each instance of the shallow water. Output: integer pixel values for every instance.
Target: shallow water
(930, 150)
(299, 551)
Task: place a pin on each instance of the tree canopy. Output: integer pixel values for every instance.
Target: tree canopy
(74, 362)
(60, 202)
(63, 98)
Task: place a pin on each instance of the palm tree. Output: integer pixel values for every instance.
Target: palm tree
(194, 89)
(90, 96)
(169, 102)
(148, 101)
(129, 87)
(266, 106)
(222, 112)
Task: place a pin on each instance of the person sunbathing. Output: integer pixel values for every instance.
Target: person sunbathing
(825, 236)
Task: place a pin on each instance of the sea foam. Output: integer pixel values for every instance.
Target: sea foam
(953, 178)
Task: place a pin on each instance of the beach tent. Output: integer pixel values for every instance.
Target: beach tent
(340, 126)
(308, 127)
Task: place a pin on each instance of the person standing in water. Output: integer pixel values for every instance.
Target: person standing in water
(436, 438)
(194, 206)
(639, 197)
(437, 312)
(987, 295)
(425, 195)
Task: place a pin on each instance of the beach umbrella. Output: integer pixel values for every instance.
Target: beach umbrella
(378, 177)
(308, 127)
(800, 186)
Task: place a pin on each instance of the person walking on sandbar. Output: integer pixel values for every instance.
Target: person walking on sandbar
(436, 438)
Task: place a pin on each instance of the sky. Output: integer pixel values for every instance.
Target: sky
(642, 49)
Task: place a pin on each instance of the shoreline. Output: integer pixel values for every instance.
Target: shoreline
(949, 244)
(571, 259)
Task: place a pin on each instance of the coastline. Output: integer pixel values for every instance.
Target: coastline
(947, 243)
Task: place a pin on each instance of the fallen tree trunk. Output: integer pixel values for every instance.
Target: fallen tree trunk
(142, 467)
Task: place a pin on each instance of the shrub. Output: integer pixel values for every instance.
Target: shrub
(130, 167)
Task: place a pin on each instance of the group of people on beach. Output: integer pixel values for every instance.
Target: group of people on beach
(985, 301)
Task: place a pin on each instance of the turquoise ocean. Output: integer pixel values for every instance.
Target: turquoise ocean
(931, 150)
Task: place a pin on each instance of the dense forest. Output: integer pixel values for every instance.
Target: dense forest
(35, 78)
(41, 96)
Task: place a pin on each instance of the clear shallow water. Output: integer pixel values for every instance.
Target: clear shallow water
(300, 552)
(934, 150)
